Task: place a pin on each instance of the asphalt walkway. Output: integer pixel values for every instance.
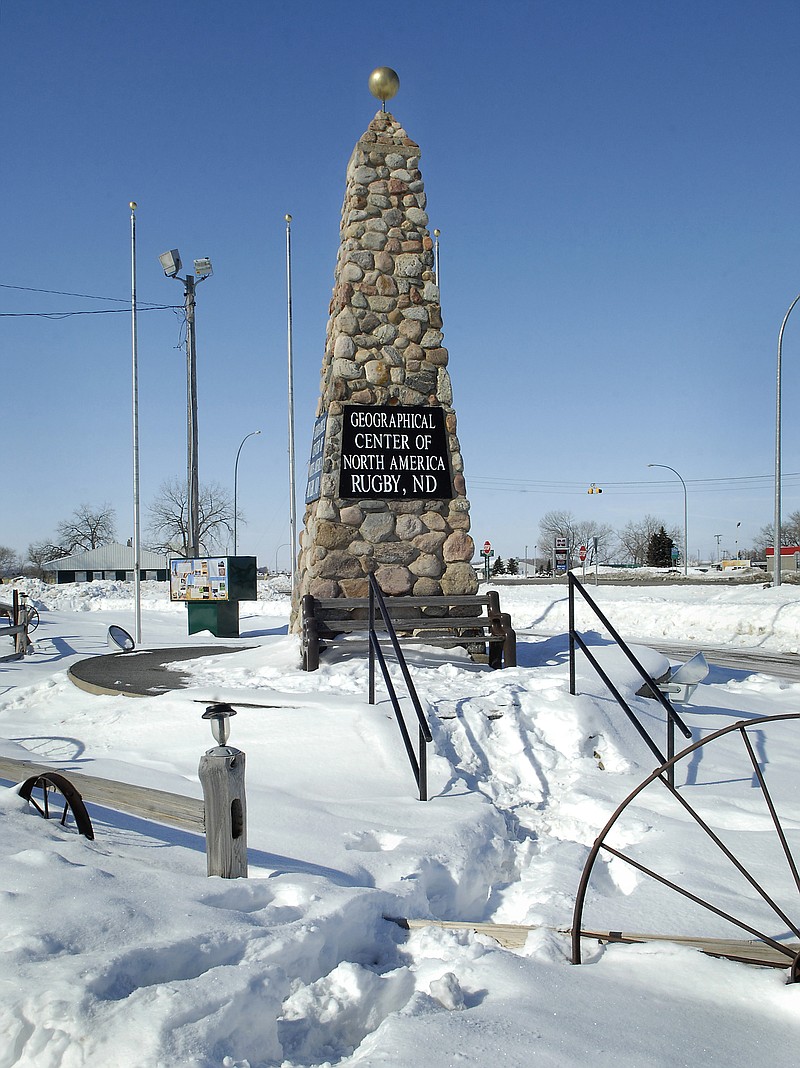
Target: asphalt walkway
(141, 673)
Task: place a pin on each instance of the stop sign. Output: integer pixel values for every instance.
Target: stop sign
(582, 553)
(487, 546)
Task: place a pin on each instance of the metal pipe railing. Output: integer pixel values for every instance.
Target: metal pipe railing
(673, 719)
(419, 764)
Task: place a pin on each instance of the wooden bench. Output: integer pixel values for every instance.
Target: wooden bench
(474, 622)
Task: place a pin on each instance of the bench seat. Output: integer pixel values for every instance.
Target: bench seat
(474, 622)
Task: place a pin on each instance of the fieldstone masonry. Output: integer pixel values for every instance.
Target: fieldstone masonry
(384, 346)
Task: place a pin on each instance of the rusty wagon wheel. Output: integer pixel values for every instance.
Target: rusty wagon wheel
(42, 790)
(774, 904)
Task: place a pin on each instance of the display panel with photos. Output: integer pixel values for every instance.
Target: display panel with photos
(203, 579)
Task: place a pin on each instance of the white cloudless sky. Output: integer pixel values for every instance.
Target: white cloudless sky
(616, 189)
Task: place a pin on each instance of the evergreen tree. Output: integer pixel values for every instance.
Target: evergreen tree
(659, 549)
(498, 567)
(512, 567)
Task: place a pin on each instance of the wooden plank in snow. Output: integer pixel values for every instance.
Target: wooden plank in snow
(176, 810)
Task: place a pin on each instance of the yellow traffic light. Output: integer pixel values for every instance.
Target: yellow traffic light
(594, 489)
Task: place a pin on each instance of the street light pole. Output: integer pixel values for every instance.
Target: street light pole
(192, 477)
(685, 517)
(283, 545)
(236, 488)
(171, 264)
(776, 560)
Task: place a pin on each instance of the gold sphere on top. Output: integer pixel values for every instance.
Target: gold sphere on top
(384, 83)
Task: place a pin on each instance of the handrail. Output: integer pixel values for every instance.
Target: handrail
(673, 719)
(418, 765)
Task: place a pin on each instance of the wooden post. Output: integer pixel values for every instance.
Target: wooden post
(20, 623)
(222, 778)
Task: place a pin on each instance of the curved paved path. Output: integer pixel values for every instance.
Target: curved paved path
(141, 673)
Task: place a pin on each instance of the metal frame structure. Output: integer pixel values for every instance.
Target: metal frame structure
(783, 955)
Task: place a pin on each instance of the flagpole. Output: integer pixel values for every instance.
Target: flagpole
(292, 502)
(135, 369)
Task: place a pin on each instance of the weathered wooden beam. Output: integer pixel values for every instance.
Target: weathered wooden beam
(514, 936)
(176, 810)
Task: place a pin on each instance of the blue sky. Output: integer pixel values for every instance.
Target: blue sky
(616, 188)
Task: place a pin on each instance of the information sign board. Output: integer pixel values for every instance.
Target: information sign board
(213, 578)
(314, 484)
(392, 453)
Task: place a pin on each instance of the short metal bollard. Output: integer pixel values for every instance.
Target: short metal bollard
(222, 778)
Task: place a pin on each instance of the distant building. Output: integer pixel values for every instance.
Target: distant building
(790, 558)
(109, 562)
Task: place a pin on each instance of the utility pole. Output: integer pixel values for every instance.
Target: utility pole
(171, 264)
(192, 478)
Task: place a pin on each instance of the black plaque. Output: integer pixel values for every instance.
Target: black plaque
(394, 453)
(314, 483)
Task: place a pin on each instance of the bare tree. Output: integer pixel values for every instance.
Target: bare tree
(561, 524)
(557, 524)
(765, 539)
(168, 521)
(634, 538)
(587, 530)
(38, 555)
(10, 562)
(87, 528)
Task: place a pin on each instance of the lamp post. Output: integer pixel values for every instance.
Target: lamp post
(171, 264)
(236, 488)
(284, 545)
(719, 539)
(777, 532)
(685, 517)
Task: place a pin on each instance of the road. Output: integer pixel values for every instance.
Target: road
(782, 665)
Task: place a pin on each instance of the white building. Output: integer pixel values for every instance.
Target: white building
(109, 562)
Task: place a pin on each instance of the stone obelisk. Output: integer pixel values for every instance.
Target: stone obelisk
(386, 490)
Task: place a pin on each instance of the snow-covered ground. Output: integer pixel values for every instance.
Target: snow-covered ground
(121, 952)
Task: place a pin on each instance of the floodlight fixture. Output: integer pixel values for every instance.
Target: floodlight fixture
(203, 268)
(171, 262)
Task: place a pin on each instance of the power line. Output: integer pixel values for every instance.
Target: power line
(141, 306)
(64, 293)
(66, 315)
(705, 485)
